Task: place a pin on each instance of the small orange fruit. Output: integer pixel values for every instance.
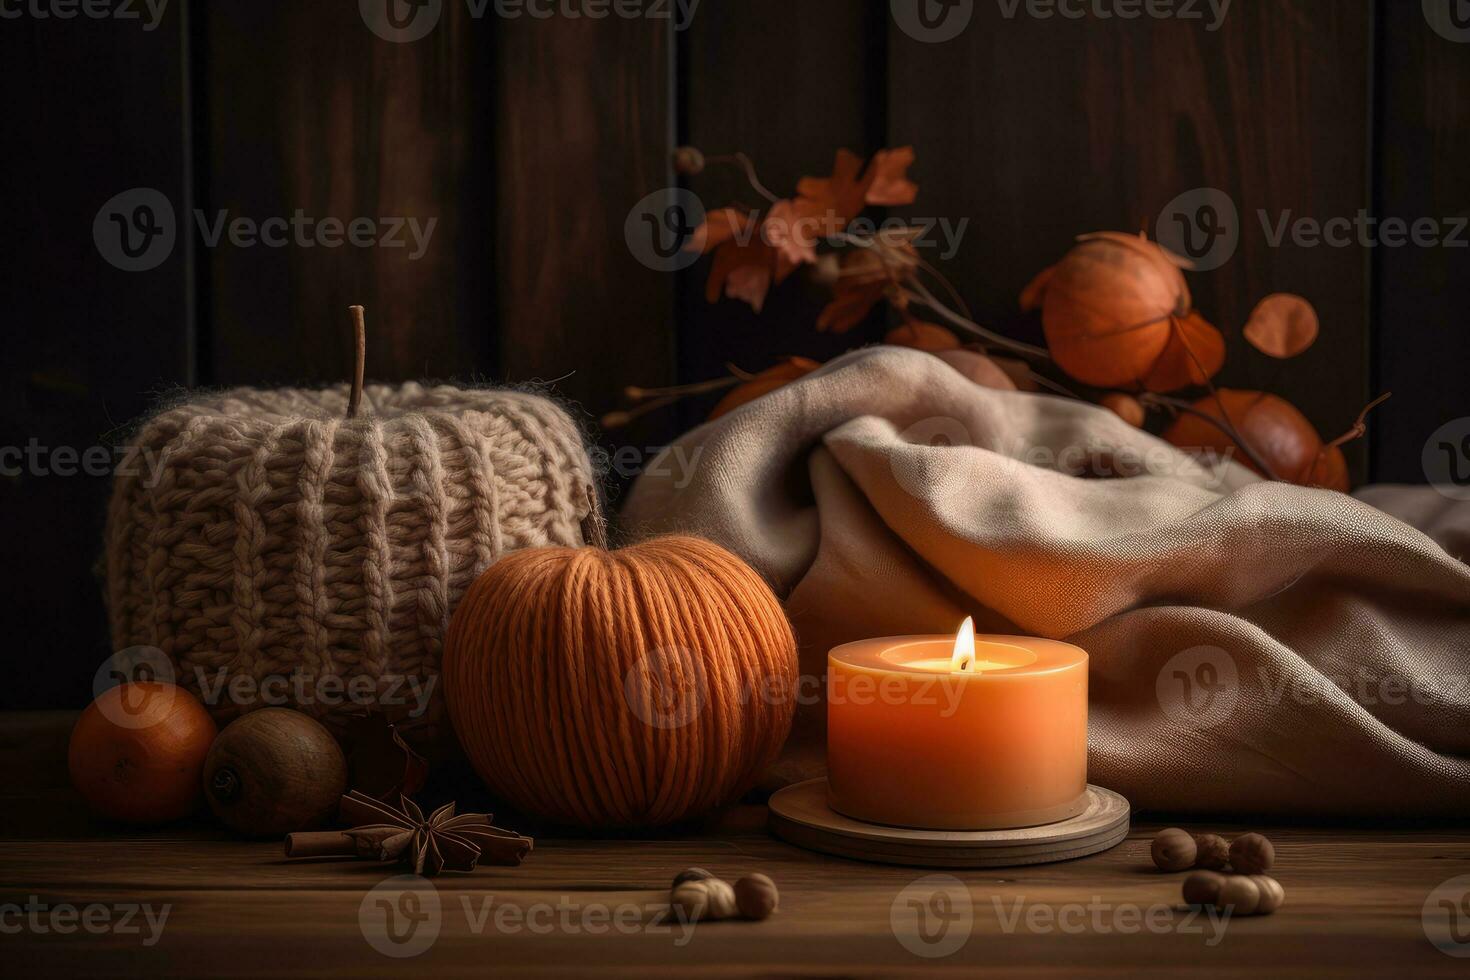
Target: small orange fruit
(137, 752)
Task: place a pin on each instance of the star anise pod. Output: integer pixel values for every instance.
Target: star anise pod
(428, 845)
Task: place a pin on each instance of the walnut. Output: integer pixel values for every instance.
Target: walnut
(1252, 854)
(1173, 850)
(1212, 852)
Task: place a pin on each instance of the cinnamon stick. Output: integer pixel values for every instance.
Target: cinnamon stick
(320, 843)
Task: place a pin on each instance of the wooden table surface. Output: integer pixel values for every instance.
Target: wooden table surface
(223, 907)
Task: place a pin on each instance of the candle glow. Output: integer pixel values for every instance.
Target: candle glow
(964, 646)
(898, 706)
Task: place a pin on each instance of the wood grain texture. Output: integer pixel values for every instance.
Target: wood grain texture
(787, 84)
(1036, 130)
(1423, 338)
(586, 907)
(93, 108)
(584, 131)
(309, 110)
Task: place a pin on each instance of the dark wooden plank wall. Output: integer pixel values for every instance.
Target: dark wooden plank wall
(1036, 130)
(307, 109)
(93, 108)
(584, 125)
(530, 141)
(787, 84)
(1422, 341)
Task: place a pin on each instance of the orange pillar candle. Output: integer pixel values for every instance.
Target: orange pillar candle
(957, 733)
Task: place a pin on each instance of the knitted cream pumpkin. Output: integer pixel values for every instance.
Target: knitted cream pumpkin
(627, 688)
(275, 550)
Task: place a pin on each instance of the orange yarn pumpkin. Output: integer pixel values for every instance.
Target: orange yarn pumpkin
(628, 688)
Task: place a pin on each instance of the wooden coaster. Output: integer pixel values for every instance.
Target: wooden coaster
(800, 815)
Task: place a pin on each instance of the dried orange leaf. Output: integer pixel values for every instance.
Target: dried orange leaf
(1194, 354)
(839, 198)
(1282, 325)
(1035, 292)
(750, 283)
(719, 227)
(850, 306)
(891, 186)
(794, 242)
(744, 263)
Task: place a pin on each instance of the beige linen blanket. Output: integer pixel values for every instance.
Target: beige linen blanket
(1256, 648)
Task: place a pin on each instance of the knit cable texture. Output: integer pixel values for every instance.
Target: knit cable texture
(275, 550)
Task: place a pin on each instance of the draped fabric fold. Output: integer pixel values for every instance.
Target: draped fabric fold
(1256, 648)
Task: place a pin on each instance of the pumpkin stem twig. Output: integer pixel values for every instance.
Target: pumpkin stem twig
(1228, 427)
(1360, 427)
(594, 526)
(745, 164)
(359, 330)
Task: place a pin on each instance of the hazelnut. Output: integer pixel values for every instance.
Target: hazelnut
(1252, 854)
(704, 898)
(1173, 850)
(1239, 895)
(756, 896)
(690, 874)
(1211, 852)
(1203, 888)
(1272, 894)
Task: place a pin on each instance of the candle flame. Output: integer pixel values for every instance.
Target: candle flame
(964, 646)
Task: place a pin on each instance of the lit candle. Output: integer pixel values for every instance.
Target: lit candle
(955, 733)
